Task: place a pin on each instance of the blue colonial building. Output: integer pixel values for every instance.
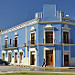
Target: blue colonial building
(49, 36)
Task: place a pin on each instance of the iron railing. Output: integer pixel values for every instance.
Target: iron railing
(48, 42)
(31, 42)
(68, 41)
(9, 45)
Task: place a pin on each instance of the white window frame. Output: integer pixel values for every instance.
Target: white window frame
(53, 36)
(68, 35)
(17, 40)
(30, 36)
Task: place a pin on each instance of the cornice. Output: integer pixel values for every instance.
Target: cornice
(68, 18)
(20, 26)
(33, 22)
(63, 22)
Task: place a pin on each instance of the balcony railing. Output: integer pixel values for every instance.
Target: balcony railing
(70, 41)
(31, 42)
(9, 46)
(48, 42)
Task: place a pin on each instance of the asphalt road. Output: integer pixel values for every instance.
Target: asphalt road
(13, 69)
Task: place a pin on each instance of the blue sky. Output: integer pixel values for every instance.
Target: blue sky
(14, 12)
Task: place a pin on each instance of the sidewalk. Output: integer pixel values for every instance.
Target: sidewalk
(46, 67)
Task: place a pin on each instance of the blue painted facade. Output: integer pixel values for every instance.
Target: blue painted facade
(55, 21)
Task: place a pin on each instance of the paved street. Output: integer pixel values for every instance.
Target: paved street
(13, 69)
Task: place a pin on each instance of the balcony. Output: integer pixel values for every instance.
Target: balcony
(31, 43)
(49, 42)
(9, 46)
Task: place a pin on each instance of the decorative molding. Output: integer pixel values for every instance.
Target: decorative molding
(32, 29)
(20, 26)
(49, 26)
(16, 34)
(6, 37)
(66, 28)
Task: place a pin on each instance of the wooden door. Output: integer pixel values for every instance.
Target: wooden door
(66, 60)
(49, 58)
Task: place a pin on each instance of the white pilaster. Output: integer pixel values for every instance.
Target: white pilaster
(26, 40)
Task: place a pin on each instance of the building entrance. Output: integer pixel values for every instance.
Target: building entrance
(9, 56)
(3, 56)
(49, 57)
(32, 57)
(16, 55)
(66, 60)
(21, 57)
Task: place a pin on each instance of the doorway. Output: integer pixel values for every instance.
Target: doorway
(3, 56)
(32, 58)
(9, 56)
(66, 60)
(21, 57)
(49, 57)
(16, 56)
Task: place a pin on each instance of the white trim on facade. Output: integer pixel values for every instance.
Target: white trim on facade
(15, 51)
(50, 48)
(9, 51)
(3, 51)
(26, 40)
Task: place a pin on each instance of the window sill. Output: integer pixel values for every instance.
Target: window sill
(49, 44)
(32, 45)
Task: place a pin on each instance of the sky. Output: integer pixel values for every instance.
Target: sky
(14, 12)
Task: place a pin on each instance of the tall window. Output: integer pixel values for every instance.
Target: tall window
(5, 43)
(10, 41)
(65, 37)
(15, 41)
(49, 37)
(32, 38)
